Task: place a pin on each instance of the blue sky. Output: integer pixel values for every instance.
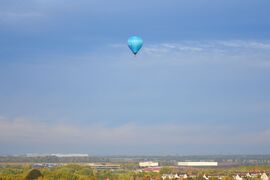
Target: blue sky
(68, 82)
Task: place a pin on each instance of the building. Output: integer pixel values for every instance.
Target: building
(248, 175)
(152, 169)
(104, 166)
(200, 164)
(46, 165)
(205, 177)
(264, 177)
(170, 176)
(237, 177)
(148, 164)
(185, 176)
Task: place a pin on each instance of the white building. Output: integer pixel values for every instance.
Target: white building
(185, 176)
(237, 177)
(264, 177)
(197, 164)
(205, 177)
(248, 175)
(148, 164)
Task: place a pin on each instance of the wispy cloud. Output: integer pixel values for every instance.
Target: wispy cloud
(207, 46)
(246, 44)
(198, 46)
(19, 17)
(41, 133)
(248, 53)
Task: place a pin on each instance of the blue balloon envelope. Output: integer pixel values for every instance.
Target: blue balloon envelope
(135, 44)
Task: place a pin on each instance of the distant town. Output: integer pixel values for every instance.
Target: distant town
(237, 167)
(222, 160)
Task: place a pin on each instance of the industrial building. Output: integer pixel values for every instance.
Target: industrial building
(148, 164)
(199, 164)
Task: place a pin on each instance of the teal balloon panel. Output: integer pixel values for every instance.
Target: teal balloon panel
(135, 44)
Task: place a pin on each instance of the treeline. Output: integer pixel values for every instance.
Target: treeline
(70, 172)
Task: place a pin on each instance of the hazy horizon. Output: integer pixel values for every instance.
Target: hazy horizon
(199, 85)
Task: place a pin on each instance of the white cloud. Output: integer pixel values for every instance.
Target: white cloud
(45, 133)
(233, 52)
(199, 46)
(18, 17)
(245, 44)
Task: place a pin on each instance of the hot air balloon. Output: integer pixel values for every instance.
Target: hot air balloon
(135, 44)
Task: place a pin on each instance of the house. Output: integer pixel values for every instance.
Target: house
(237, 177)
(205, 177)
(248, 175)
(170, 176)
(176, 176)
(185, 176)
(264, 176)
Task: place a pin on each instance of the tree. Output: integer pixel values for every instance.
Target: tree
(166, 170)
(33, 174)
(86, 171)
